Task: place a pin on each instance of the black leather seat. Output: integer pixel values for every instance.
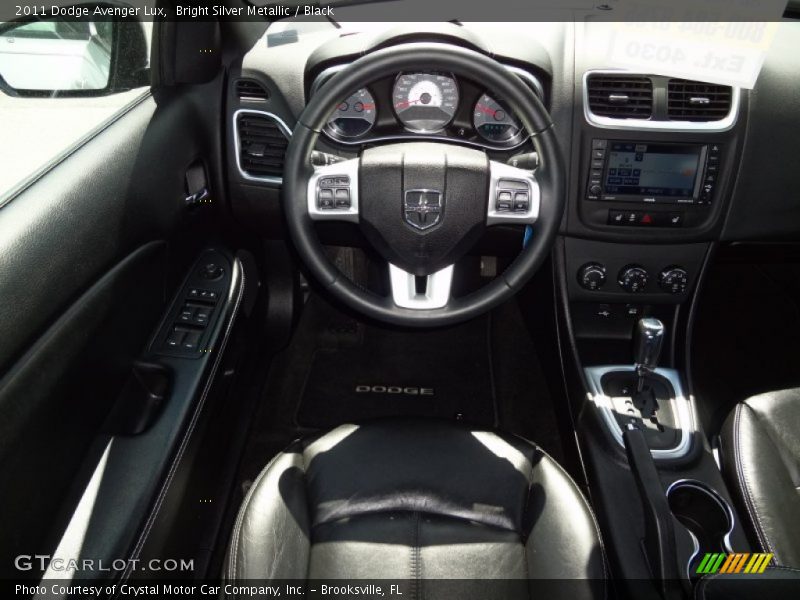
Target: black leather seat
(411, 500)
(760, 444)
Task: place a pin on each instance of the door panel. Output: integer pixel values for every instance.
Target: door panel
(90, 254)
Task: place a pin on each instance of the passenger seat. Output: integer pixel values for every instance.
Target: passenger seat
(760, 445)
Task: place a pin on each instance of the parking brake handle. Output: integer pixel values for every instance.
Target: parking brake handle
(659, 535)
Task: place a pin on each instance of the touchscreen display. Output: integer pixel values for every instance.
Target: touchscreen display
(652, 169)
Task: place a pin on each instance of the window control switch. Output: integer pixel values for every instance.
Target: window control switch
(191, 341)
(175, 338)
(202, 316)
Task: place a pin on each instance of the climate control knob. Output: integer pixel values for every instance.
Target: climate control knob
(674, 280)
(592, 276)
(633, 278)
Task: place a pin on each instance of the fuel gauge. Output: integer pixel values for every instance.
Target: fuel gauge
(354, 116)
(493, 121)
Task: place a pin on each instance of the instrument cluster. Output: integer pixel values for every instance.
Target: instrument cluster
(427, 105)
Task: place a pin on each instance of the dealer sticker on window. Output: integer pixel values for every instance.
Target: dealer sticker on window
(727, 53)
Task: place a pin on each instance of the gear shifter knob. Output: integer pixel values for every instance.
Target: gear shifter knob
(648, 340)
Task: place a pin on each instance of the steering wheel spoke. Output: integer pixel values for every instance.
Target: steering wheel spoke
(420, 293)
(514, 195)
(333, 192)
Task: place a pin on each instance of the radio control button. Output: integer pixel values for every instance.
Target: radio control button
(598, 154)
(599, 144)
(595, 189)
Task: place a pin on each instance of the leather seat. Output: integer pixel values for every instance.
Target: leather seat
(760, 444)
(417, 500)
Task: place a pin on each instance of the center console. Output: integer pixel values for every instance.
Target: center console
(649, 191)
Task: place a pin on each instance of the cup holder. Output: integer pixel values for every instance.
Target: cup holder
(706, 515)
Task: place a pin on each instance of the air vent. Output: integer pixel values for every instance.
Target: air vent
(697, 101)
(262, 143)
(250, 89)
(620, 96)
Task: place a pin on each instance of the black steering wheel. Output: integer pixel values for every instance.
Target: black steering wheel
(422, 205)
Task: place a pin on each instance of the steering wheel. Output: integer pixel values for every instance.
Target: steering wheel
(422, 205)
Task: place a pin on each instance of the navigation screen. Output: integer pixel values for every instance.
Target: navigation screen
(652, 169)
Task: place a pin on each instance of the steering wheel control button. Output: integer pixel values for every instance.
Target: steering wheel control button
(504, 203)
(514, 195)
(592, 276)
(633, 279)
(674, 280)
(342, 198)
(521, 202)
(325, 199)
(333, 191)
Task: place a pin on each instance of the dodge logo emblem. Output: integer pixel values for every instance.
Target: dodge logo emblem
(423, 208)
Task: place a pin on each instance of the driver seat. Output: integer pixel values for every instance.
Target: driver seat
(418, 500)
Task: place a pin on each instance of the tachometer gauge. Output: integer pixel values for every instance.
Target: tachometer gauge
(354, 116)
(425, 102)
(493, 121)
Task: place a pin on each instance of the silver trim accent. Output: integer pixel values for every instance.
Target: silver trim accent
(683, 408)
(276, 181)
(404, 288)
(346, 168)
(326, 74)
(726, 539)
(720, 125)
(498, 171)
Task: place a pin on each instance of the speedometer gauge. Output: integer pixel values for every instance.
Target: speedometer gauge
(354, 116)
(425, 102)
(493, 121)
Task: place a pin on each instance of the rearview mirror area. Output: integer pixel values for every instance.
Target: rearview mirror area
(78, 56)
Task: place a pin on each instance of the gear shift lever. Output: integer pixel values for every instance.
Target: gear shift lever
(649, 338)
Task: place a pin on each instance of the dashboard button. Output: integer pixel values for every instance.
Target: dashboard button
(616, 217)
(674, 280)
(633, 279)
(592, 276)
(675, 219)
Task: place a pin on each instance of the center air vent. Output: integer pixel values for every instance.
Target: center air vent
(697, 101)
(261, 145)
(250, 89)
(620, 96)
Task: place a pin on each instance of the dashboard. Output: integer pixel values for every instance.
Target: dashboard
(652, 184)
(426, 105)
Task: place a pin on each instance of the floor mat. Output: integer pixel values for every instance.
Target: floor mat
(385, 372)
(486, 366)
